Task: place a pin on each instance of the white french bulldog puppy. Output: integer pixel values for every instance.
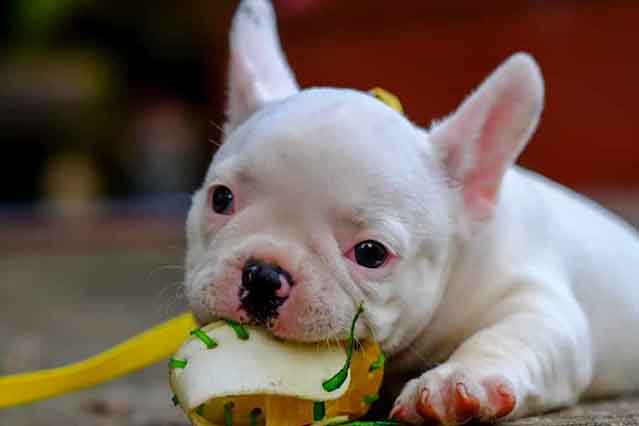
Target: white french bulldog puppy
(497, 292)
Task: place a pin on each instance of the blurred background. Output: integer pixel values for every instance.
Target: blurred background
(108, 109)
(109, 112)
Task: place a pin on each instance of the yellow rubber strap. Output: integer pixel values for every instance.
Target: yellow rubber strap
(388, 98)
(151, 346)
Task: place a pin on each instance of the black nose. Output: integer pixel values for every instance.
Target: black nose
(261, 293)
(259, 275)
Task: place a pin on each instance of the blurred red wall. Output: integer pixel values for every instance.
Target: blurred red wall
(432, 53)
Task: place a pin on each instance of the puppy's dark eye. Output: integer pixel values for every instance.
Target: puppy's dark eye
(370, 254)
(222, 200)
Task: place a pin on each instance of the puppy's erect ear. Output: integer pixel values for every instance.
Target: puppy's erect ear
(258, 72)
(486, 134)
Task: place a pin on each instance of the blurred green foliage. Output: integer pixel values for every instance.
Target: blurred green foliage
(36, 19)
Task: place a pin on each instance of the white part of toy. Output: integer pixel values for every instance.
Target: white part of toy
(261, 364)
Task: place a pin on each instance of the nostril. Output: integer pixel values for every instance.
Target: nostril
(271, 278)
(285, 286)
(249, 274)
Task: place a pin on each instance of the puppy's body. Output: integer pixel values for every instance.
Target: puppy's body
(542, 229)
(496, 292)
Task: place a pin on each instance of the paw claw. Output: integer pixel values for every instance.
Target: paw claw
(425, 408)
(424, 396)
(405, 414)
(397, 413)
(466, 406)
(505, 400)
(453, 397)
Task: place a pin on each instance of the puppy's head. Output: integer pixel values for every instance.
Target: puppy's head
(321, 199)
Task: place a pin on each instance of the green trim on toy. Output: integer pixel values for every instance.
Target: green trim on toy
(370, 398)
(378, 363)
(204, 338)
(177, 363)
(253, 415)
(371, 423)
(332, 421)
(339, 378)
(200, 410)
(175, 401)
(242, 333)
(319, 410)
(228, 414)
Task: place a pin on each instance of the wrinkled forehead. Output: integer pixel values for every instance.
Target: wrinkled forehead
(324, 136)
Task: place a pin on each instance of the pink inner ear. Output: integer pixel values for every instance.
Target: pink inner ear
(483, 138)
(493, 155)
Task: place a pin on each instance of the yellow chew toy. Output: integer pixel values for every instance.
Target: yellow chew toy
(243, 376)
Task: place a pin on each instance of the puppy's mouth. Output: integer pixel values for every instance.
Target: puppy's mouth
(260, 292)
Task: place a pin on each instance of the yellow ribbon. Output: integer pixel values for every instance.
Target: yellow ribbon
(151, 346)
(388, 98)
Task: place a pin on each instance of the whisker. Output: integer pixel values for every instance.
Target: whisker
(165, 302)
(217, 126)
(419, 356)
(166, 268)
(214, 142)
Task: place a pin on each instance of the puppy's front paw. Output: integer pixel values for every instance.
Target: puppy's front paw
(450, 395)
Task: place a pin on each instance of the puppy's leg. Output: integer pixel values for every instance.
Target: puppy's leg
(534, 354)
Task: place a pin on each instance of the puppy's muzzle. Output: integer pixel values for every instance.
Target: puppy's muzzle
(265, 287)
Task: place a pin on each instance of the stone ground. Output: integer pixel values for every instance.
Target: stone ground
(62, 299)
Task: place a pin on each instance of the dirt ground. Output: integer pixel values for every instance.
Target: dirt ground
(60, 306)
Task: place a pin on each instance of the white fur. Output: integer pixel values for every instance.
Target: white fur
(499, 272)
